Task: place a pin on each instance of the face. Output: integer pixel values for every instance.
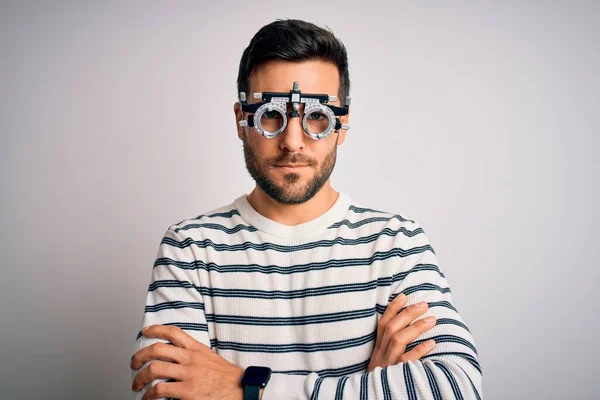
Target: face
(292, 167)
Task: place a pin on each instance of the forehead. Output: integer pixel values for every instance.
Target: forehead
(314, 76)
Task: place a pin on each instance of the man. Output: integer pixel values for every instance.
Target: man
(296, 280)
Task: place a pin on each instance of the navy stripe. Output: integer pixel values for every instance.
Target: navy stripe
(265, 294)
(364, 389)
(443, 339)
(292, 294)
(339, 390)
(354, 225)
(387, 394)
(443, 303)
(381, 308)
(288, 321)
(418, 267)
(171, 283)
(169, 305)
(227, 214)
(260, 294)
(453, 383)
(450, 321)
(455, 339)
(435, 390)
(274, 294)
(316, 389)
(408, 381)
(183, 325)
(293, 347)
(331, 372)
(219, 227)
(466, 356)
(417, 288)
(442, 321)
(399, 277)
(360, 210)
(471, 382)
(219, 247)
(425, 286)
(316, 266)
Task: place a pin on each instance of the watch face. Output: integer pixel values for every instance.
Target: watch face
(256, 376)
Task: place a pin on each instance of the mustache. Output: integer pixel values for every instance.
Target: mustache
(294, 159)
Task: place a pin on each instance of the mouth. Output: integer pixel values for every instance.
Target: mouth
(291, 166)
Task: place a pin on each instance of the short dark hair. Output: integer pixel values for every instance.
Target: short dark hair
(293, 40)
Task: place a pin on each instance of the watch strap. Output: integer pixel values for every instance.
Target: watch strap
(251, 392)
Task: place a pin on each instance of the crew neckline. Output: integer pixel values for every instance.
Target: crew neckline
(313, 227)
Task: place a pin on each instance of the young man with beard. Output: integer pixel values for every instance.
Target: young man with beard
(295, 291)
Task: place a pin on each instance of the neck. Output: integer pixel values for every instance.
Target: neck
(293, 214)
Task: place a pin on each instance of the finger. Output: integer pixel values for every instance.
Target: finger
(391, 311)
(155, 370)
(167, 390)
(416, 353)
(172, 333)
(401, 321)
(402, 338)
(159, 351)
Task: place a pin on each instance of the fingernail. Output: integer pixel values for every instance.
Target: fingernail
(430, 343)
(400, 297)
(421, 304)
(145, 329)
(429, 320)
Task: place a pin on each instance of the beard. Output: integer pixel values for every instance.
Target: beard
(291, 191)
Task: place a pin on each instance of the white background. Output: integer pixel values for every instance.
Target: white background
(479, 120)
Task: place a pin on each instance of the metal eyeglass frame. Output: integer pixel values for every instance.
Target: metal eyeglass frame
(277, 101)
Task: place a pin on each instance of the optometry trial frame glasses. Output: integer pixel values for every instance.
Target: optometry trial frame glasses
(270, 116)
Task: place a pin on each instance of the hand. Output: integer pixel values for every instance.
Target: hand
(394, 333)
(199, 373)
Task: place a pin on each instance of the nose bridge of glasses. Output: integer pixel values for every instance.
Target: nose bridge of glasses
(290, 109)
(294, 121)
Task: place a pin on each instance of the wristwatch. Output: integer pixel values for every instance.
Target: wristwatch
(254, 379)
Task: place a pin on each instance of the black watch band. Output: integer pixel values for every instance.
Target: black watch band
(251, 392)
(253, 380)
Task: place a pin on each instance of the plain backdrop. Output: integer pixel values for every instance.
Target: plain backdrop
(480, 120)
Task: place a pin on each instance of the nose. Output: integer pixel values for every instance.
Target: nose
(292, 138)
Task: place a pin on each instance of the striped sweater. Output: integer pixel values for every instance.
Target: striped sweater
(305, 300)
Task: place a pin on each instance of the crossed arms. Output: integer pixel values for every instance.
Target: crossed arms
(450, 370)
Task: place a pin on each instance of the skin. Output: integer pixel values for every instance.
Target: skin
(290, 197)
(200, 373)
(395, 332)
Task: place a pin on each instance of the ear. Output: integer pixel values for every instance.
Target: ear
(239, 115)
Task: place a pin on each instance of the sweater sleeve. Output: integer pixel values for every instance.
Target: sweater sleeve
(450, 371)
(172, 298)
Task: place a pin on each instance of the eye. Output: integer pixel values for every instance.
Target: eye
(316, 116)
(271, 115)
